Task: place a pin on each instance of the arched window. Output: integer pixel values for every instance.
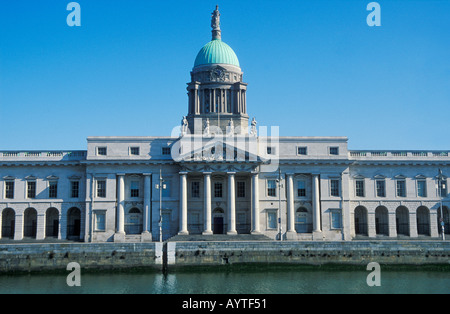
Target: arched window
(30, 223)
(423, 220)
(361, 221)
(381, 220)
(402, 220)
(51, 222)
(73, 223)
(8, 223)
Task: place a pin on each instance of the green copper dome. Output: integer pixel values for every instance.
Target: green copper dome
(216, 51)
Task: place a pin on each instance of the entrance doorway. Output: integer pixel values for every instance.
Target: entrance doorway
(218, 225)
(218, 217)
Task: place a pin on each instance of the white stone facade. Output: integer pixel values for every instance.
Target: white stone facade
(288, 188)
(118, 199)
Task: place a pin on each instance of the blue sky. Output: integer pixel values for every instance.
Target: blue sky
(315, 68)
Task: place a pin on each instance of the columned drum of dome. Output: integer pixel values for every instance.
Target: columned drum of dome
(217, 94)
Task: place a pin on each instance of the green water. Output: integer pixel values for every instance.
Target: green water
(234, 282)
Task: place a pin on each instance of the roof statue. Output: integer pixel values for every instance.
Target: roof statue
(215, 24)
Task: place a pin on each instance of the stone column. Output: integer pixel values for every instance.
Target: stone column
(90, 193)
(316, 203)
(120, 228)
(255, 204)
(413, 224)
(231, 204)
(146, 227)
(291, 233)
(18, 226)
(371, 224)
(434, 223)
(183, 204)
(392, 223)
(207, 203)
(40, 221)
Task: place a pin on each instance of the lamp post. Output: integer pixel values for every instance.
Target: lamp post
(441, 185)
(160, 186)
(279, 183)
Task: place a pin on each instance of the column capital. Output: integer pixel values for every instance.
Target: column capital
(290, 174)
(207, 173)
(120, 174)
(183, 173)
(231, 173)
(147, 174)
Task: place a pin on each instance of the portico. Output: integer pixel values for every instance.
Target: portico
(220, 201)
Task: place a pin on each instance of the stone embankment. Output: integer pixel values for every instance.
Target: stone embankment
(174, 255)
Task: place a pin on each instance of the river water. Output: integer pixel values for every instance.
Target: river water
(233, 282)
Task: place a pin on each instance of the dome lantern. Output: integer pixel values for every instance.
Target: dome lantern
(216, 91)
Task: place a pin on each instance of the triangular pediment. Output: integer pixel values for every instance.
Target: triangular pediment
(219, 149)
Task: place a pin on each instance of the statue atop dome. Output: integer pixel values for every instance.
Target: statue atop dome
(215, 24)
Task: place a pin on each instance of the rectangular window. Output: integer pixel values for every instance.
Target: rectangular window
(270, 150)
(101, 188)
(134, 191)
(9, 189)
(31, 189)
(401, 188)
(301, 150)
(272, 220)
(422, 188)
(195, 189)
(301, 188)
(336, 219)
(134, 151)
(74, 189)
(53, 189)
(443, 191)
(241, 189)
(381, 188)
(271, 188)
(334, 150)
(359, 186)
(218, 189)
(101, 151)
(100, 220)
(334, 187)
(166, 151)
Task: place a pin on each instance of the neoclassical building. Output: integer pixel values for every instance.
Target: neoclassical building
(221, 173)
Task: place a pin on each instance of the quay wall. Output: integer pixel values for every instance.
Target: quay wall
(172, 255)
(309, 253)
(95, 256)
